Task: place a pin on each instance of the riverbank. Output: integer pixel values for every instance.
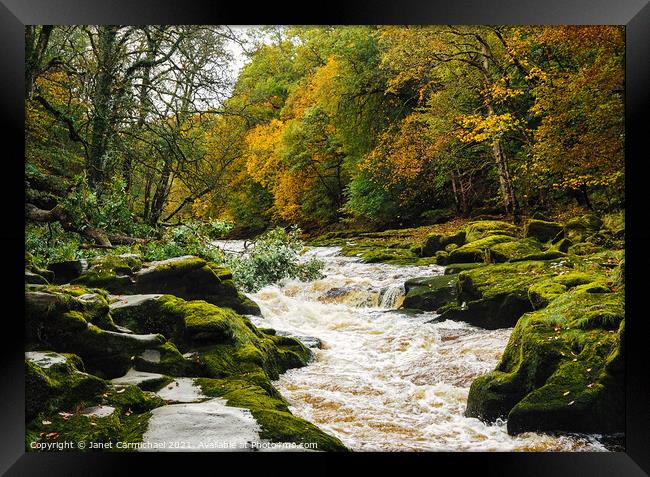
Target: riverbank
(111, 354)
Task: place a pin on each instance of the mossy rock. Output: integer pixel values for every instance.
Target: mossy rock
(429, 294)
(579, 228)
(484, 228)
(55, 381)
(502, 248)
(543, 231)
(454, 268)
(437, 242)
(56, 319)
(187, 277)
(561, 370)
(495, 296)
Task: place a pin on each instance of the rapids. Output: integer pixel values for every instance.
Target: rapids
(384, 379)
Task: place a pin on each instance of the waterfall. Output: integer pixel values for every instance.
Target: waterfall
(393, 297)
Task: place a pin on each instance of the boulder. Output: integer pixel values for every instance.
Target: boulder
(437, 242)
(501, 248)
(187, 277)
(57, 319)
(543, 231)
(430, 294)
(562, 369)
(54, 381)
(579, 228)
(66, 271)
(484, 228)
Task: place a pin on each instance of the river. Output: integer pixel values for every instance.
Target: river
(386, 380)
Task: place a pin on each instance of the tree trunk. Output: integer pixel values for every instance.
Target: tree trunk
(101, 121)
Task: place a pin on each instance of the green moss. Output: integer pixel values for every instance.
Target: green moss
(553, 375)
(59, 385)
(430, 294)
(543, 230)
(484, 228)
(454, 268)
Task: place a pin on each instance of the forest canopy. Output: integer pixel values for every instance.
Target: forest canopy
(130, 128)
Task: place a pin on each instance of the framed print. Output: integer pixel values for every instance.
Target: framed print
(379, 234)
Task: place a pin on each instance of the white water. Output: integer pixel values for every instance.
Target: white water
(385, 380)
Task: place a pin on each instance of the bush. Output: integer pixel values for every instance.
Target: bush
(50, 243)
(275, 256)
(190, 238)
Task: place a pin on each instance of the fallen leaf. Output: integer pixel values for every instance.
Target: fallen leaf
(46, 423)
(588, 370)
(121, 391)
(93, 423)
(52, 435)
(566, 393)
(571, 403)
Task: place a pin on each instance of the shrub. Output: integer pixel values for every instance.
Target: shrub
(275, 256)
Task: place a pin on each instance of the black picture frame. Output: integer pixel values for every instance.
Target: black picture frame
(635, 14)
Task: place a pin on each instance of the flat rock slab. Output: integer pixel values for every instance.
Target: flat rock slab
(45, 359)
(98, 411)
(151, 355)
(182, 390)
(207, 426)
(133, 377)
(132, 300)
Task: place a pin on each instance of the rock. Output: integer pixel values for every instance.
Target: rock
(227, 428)
(495, 296)
(563, 245)
(65, 272)
(34, 278)
(187, 277)
(34, 274)
(82, 325)
(502, 248)
(141, 379)
(308, 341)
(562, 369)
(430, 294)
(543, 231)
(182, 390)
(54, 381)
(454, 268)
(437, 242)
(484, 228)
(579, 228)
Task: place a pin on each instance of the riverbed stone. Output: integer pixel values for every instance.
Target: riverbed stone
(543, 230)
(187, 277)
(562, 369)
(430, 294)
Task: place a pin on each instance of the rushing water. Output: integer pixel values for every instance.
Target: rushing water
(384, 379)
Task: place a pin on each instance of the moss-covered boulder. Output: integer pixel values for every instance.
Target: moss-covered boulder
(227, 343)
(436, 242)
(501, 248)
(495, 296)
(543, 231)
(579, 228)
(562, 369)
(430, 294)
(57, 319)
(484, 228)
(454, 268)
(187, 277)
(55, 381)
